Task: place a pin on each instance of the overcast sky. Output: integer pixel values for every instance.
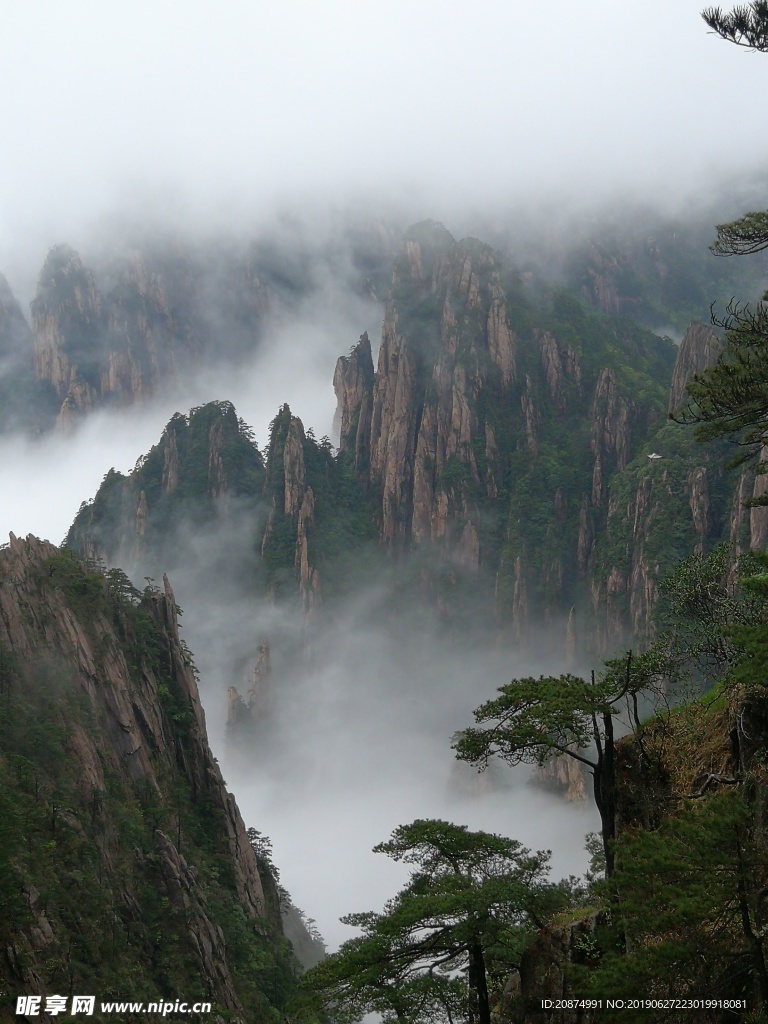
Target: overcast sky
(218, 108)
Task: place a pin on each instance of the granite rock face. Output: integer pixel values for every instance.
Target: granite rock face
(15, 334)
(675, 499)
(445, 338)
(353, 385)
(475, 418)
(129, 733)
(500, 439)
(144, 323)
(698, 350)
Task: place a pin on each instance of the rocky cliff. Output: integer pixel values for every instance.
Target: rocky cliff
(201, 462)
(25, 401)
(135, 318)
(698, 350)
(495, 423)
(151, 317)
(501, 446)
(675, 499)
(67, 322)
(124, 322)
(645, 264)
(542, 990)
(15, 335)
(125, 868)
(353, 385)
(205, 500)
(445, 338)
(480, 449)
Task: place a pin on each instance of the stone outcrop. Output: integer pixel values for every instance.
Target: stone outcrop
(133, 736)
(571, 642)
(423, 433)
(485, 441)
(129, 523)
(294, 472)
(181, 888)
(293, 499)
(309, 579)
(566, 776)
(26, 404)
(67, 323)
(601, 290)
(623, 595)
(612, 416)
(660, 512)
(739, 516)
(15, 334)
(246, 716)
(698, 350)
(396, 413)
(561, 368)
(698, 501)
(669, 503)
(458, 399)
(544, 974)
(353, 385)
(170, 450)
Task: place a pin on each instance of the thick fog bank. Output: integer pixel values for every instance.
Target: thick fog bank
(238, 106)
(351, 737)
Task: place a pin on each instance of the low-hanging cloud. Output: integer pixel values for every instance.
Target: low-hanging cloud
(354, 738)
(196, 113)
(352, 735)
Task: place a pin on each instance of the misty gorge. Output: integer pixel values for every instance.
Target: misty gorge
(488, 507)
(383, 425)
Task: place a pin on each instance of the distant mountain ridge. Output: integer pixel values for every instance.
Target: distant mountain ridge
(141, 320)
(135, 317)
(484, 452)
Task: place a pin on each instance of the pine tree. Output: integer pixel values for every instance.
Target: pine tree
(746, 25)
(532, 719)
(730, 399)
(469, 906)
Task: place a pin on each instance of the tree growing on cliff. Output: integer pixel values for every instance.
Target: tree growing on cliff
(562, 715)
(693, 914)
(702, 616)
(469, 906)
(730, 399)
